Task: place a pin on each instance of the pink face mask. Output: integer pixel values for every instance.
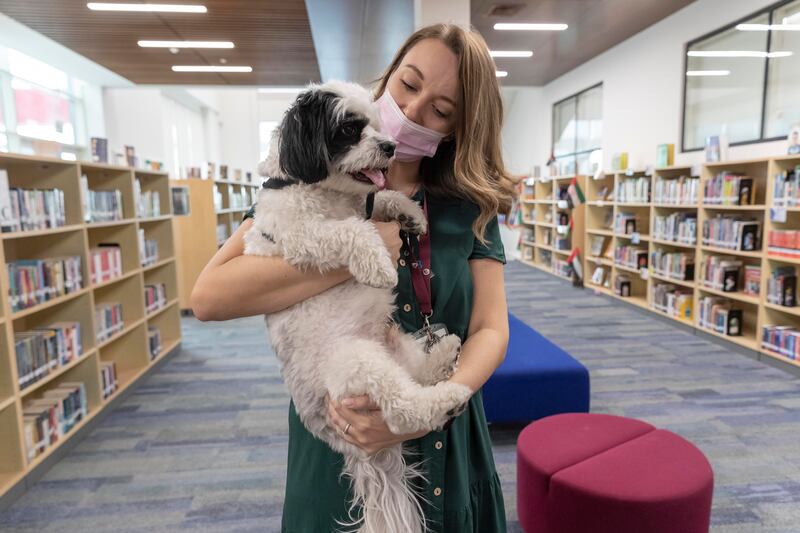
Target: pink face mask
(413, 141)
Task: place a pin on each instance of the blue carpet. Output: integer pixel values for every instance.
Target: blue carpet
(201, 445)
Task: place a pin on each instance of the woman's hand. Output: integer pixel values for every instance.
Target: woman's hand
(367, 430)
(390, 233)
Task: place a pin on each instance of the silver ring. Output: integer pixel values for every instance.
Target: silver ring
(346, 428)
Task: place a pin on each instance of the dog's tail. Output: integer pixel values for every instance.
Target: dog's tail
(384, 498)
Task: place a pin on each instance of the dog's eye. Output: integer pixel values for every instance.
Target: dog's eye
(349, 130)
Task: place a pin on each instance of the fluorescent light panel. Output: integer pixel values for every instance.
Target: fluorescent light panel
(500, 73)
(149, 8)
(737, 53)
(708, 72)
(511, 53)
(210, 68)
(530, 26)
(186, 44)
(765, 27)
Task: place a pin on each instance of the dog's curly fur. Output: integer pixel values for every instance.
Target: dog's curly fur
(342, 342)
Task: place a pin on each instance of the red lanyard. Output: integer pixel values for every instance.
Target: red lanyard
(421, 269)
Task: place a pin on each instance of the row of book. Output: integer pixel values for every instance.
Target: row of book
(30, 209)
(732, 232)
(108, 377)
(47, 420)
(42, 350)
(720, 272)
(784, 243)
(631, 257)
(678, 191)
(786, 191)
(155, 297)
(783, 340)
(105, 262)
(108, 318)
(35, 281)
(561, 268)
(673, 300)
(633, 190)
(148, 203)
(675, 265)
(148, 250)
(677, 227)
(600, 276)
(101, 206)
(782, 286)
(153, 341)
(727, 188)
(623, 286)
(720, 315)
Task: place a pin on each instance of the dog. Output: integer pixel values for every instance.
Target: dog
(326, 157)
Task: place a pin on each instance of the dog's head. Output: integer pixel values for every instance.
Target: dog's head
(331, 136)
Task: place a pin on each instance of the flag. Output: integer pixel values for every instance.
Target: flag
(575, 192)
(574, 261)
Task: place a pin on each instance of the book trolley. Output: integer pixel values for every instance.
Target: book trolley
(88, 307)
(710, 246)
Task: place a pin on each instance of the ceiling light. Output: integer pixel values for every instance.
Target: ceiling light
(736, 53)
(209, 68)
(511, 53)
(765, 27)
(708, 72)
(500, 73)
(186, 44)
(280, 90)
(530, 26)
(151, 8)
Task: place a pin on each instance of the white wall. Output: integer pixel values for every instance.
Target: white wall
(642, 91)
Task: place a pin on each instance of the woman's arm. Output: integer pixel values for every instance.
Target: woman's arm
(487, 338)
(481, 354)
(234, 285)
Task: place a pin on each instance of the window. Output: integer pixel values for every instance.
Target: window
(741, 79)
(578, 132)
(265, 131)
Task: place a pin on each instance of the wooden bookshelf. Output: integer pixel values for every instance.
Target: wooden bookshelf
(216, 208)
(602, 198)
(128, 347)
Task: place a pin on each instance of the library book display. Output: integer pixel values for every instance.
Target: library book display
(89, 299)
(715, 247)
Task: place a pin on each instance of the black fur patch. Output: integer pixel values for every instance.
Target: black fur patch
(277, 184)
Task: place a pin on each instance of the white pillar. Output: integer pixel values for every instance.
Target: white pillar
(435, 11)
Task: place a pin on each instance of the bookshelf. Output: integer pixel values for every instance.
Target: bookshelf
(127, 346)
(669, 228)
(216, 208)
(551, 230)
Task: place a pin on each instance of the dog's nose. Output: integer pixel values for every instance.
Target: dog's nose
(387, 148)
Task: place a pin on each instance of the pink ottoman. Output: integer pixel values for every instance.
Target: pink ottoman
(593, 473)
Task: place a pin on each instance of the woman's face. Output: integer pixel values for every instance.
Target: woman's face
(425, 85)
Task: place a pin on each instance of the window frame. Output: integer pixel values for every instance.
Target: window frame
(769, 11)
(576, 152)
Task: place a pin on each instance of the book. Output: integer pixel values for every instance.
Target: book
(108, 319)
(99, 147)
(105, 262)
(153, 341)
(155, 297)
(665, 155)
(35, 281)
(8, 220)
(712, 149)
(108, 376)
(130, 156)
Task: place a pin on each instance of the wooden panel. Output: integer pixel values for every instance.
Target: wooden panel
(594, 27)
(272, 36)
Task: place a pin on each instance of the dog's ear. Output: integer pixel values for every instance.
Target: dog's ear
(303, 153)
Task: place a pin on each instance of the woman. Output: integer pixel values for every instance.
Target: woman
(443, 80)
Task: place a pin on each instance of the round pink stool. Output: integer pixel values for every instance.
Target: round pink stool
(594, 473)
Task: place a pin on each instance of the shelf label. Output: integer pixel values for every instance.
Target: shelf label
(562, 204)
(777, 214)
(635, 238)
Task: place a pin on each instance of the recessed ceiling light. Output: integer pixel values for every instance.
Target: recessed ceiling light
(150, 8)
(280, 90)
(209, 68)
(765, 27)
(511, 53)
(535, 26)
(708, 72)
(186, 44)
(501, 73)
(736, 53)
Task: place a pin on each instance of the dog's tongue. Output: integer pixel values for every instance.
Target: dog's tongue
(376, 176)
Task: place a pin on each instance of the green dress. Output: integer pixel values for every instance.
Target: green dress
(463, 490)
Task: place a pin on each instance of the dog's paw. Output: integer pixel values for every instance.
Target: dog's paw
(441, 360)
(377, 272)
(412, 219)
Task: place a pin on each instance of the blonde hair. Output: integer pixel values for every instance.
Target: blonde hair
(470, 164)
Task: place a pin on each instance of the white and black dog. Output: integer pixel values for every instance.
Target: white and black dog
(326, 157)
